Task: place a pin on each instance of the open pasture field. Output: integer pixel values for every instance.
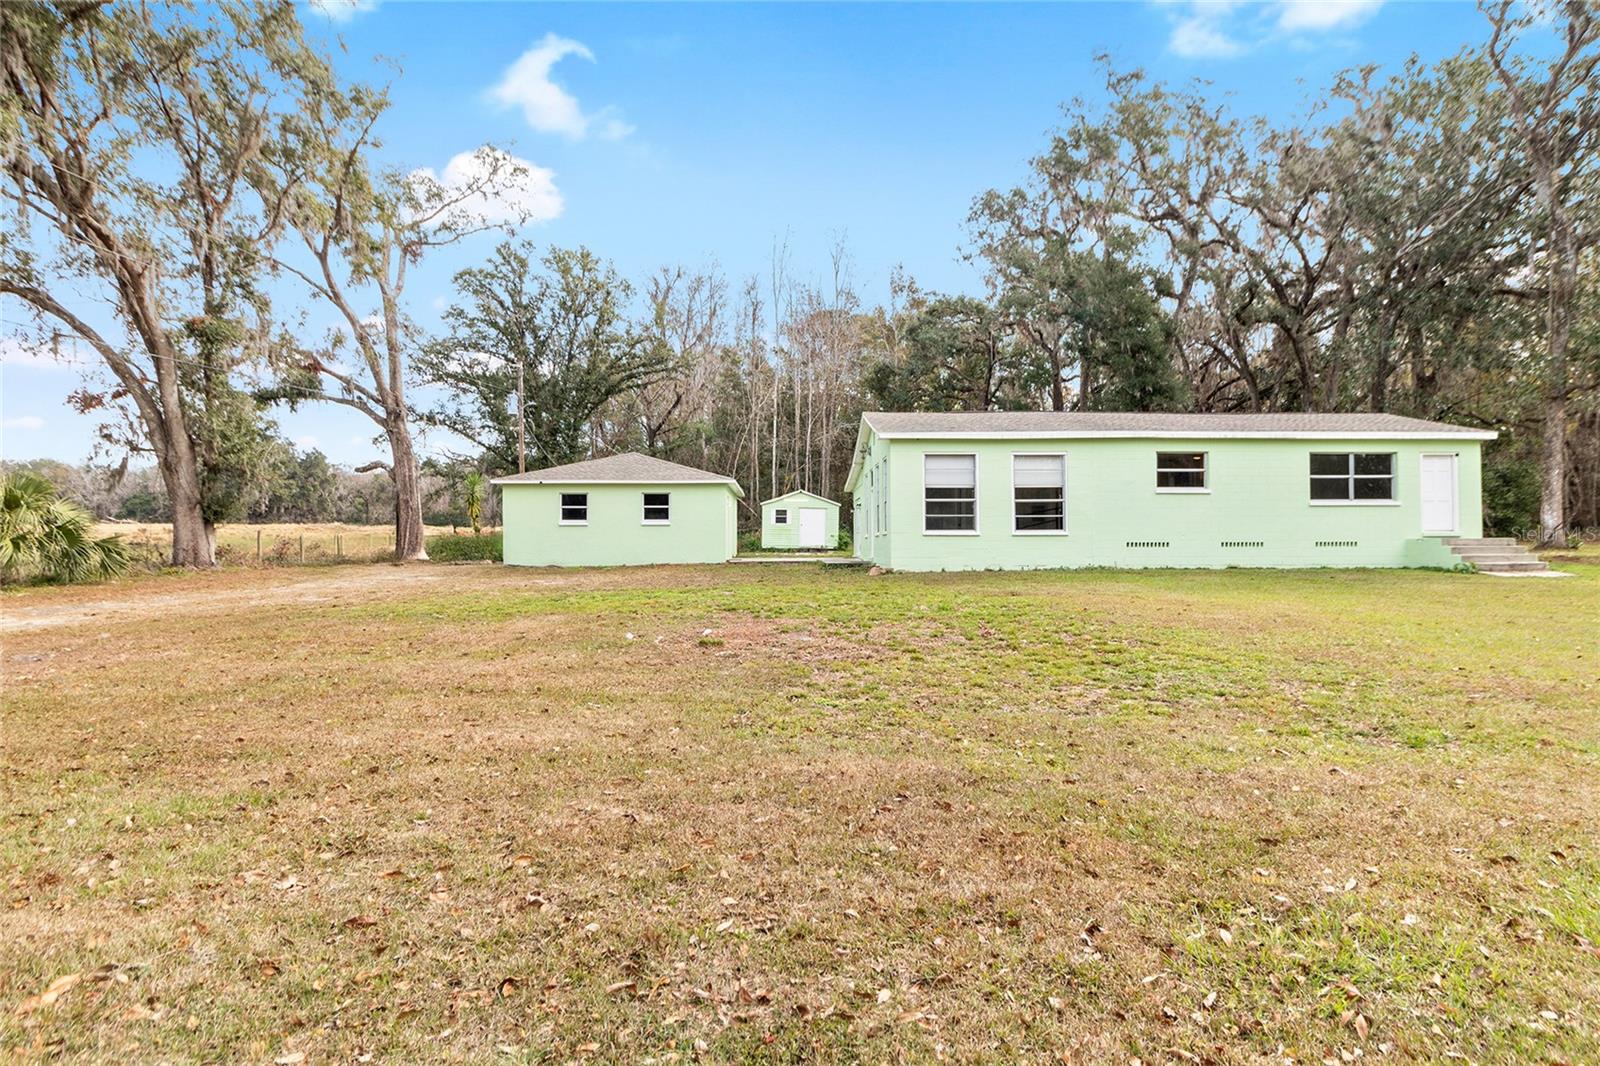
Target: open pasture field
(780, 814)
(278, 542)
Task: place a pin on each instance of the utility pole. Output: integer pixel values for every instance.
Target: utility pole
(522, 420)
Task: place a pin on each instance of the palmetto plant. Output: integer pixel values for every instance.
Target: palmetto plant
(46, 536)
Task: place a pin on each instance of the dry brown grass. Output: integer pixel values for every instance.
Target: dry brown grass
(782, 814)
(279, 543)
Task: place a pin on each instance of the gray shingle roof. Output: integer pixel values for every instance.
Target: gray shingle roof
(1134, 423)
(628, 468)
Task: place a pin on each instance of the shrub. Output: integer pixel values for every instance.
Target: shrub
(750, 542)
(844, 543)
(45, 536)
(463, 548)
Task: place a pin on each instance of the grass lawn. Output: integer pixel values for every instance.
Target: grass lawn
(783, 813)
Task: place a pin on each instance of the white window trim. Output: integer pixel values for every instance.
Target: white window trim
(1015, 532)
(977, 488)
(1355, 503)
(643, 521)
(780, 516)
(1205, 476)
(561, 508)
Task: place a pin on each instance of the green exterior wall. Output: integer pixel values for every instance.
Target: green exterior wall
(702, 527)
(1258, 491)
(788, 536)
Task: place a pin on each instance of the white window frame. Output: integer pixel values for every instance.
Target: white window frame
(977, 486)
(644, 509)
(1350, 477)
(562, 507)
(1038, 532)
(780, 516)
(1181, 490)
(882, 528)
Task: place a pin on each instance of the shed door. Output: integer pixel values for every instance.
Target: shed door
(1438, 493)
(813, 527)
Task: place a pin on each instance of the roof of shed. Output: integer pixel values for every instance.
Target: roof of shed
(800, 492)
(629, 468)
(1133, 423)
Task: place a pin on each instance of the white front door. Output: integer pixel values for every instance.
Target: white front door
(1438, 483)
(813, 527)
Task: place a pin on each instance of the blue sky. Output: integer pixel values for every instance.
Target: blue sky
(700, 134)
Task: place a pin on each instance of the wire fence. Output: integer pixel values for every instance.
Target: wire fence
(279, 544)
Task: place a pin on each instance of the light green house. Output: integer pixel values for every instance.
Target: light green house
(623, 510)
(799, 519)
(1018, 490)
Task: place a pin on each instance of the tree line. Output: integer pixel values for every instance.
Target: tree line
(1422, 243)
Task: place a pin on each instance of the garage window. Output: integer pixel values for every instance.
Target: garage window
(780, 516)
(657, 508)
(1180, 471)
(574, 508)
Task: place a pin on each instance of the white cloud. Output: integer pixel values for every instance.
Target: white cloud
(1301, 15)
(1198, 37)
(548, 107)
(307, 442)
(523, 192)
(17, 352)
(341, 10)
(23, 422)
(1225, 29)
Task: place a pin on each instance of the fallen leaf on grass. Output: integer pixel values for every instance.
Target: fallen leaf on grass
(360, 921)
(618, 986)
(57, 988)
(508, 987)
(293, 1058)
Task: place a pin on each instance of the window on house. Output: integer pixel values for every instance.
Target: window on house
(575, 507)
(1352, 476)
(656, 507)
(1039, 490)
(883, 493)
(1180, 470)
(780, 516)
(950, 493)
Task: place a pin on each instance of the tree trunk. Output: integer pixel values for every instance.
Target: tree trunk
(192, 542)
(408, 536)
(1553, 467)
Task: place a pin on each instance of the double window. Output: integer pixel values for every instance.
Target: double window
(574, 508)
(1180, 471)
(1039, 493)
(950, 493)
(657, 508)
(780, 516)
(1352, 477)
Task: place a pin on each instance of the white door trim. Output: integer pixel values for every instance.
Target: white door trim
(1455, 492)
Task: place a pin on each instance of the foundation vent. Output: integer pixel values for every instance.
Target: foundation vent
(1149, 544)
(1336, 544)
(1243, 543)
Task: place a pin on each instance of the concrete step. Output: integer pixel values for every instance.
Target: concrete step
(1468, 542)
(1481, 561)
(1510, 567)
